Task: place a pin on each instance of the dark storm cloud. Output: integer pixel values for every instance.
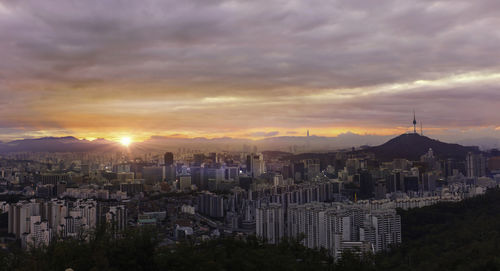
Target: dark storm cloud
(261, 61)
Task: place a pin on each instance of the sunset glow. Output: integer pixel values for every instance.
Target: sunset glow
(125, 141)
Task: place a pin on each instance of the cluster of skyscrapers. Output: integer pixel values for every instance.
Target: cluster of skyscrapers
(37, 222)
(333, 226)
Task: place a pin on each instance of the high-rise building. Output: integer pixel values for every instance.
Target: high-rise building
(169, 173)
(34, 223)
(313, 169)
(337, 227)
(366, 185)
(87, 210)
(184, 182)
(270, 223)
(382, 228)
(257, 165)
(475, 165)
(117, 217)
(168, 158)
(19, 215)
(230, 173)
(132, 187)
(395, 181)
(39, 233)
(298, 171)
(429, 159)
(278, 180)
(211, 204)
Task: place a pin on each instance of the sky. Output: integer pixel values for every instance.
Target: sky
(248, 69)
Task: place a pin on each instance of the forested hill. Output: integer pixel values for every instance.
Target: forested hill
(449, 236)
(412, 146)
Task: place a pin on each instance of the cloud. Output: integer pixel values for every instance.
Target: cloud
(228, 67)
(264, 134)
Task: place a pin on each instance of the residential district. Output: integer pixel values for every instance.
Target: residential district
(337, 200)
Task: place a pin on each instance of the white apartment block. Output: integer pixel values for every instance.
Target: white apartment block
(270, 223)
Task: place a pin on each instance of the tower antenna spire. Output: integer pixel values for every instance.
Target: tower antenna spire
(414, 123)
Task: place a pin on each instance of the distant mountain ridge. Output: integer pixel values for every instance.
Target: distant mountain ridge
(160, 143)
(412, 146)
(56, 144)
(409, 146)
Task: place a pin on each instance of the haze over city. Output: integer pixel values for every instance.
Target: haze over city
(249, 135)
(248, 69)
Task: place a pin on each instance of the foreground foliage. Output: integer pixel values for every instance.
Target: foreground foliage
(449, 236)
(141, 250)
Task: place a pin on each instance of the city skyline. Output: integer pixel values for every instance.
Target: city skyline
(249, 135)
(247, 70)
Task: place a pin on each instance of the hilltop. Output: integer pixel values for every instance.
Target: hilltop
(412, 146)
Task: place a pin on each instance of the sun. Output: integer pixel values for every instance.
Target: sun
(125, 141)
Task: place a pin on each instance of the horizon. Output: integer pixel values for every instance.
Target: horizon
(273, 143)
(467, 137)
